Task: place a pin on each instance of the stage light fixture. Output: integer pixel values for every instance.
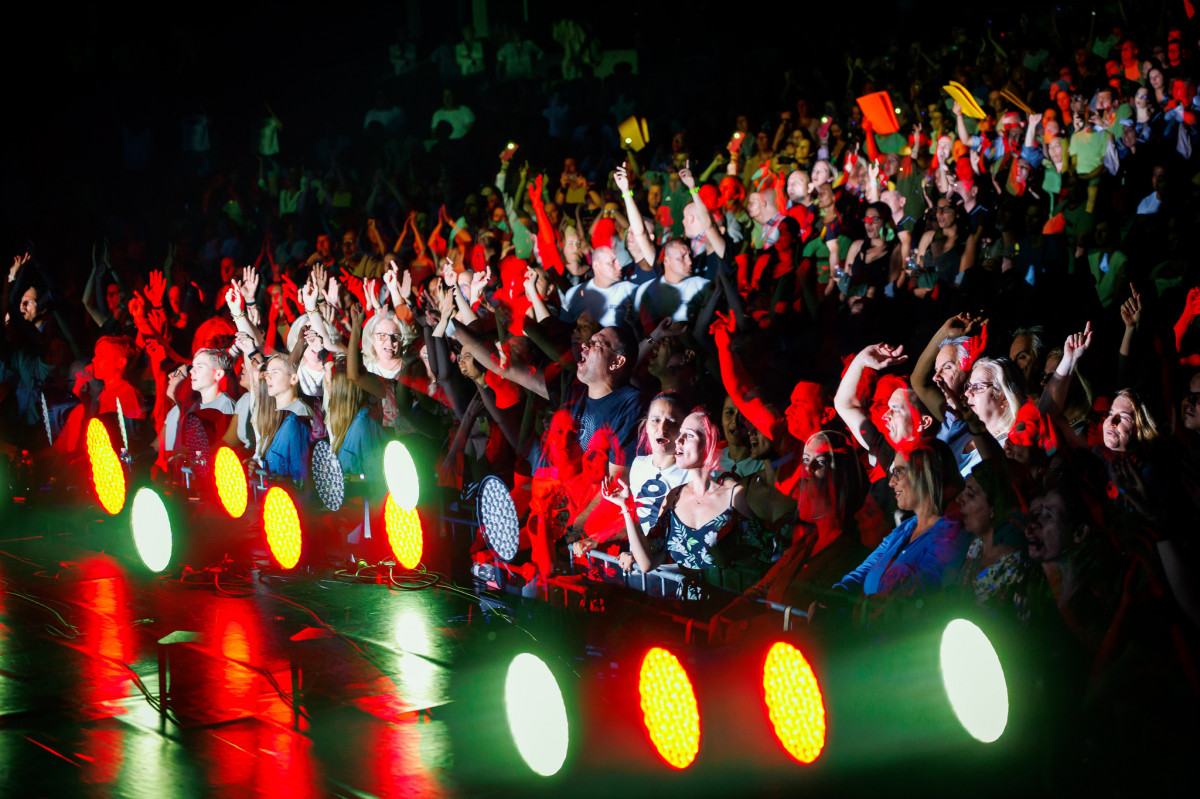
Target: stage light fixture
(669, 708)
(282, 525)
(108, 477)
(974, 680)
(327, 476)
(403, 533)
(400, 473)
(794, 702)
(230, 477)
(537, 715)
(151, 525)
(498, 517)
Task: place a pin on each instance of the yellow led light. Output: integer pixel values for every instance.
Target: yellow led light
(231, 482)
(108, 477)
(794, 702)
(669, 708)
(403, 533)
(282, 525)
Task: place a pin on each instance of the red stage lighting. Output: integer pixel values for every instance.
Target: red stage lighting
(231, 482)
(669, 708)
(403, 533)
(282, 525)
(107, 475)
(794, 702)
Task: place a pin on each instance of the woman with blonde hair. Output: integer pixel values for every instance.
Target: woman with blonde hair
(995, 392)
(355, 437)
(281, 421)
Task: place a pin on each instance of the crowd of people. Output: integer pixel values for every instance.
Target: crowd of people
(839, 361)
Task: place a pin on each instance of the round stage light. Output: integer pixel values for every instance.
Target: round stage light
(108, 477)
(498, 516)
(974, 680)
(282, 525)
(537, 715)
(794, 702)
(400, 473)
(151, 529)
(230, 477)
(197, 445)
(327, 475)
(403, 533)
(669, 708)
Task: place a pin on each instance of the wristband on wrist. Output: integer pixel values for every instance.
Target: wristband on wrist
(239, 316)
(627, 194)
(693, 191)
(249, 303)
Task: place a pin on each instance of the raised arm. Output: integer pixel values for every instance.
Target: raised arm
(646, 253)
(923, 375)
(846, 401)
(712, 236)
(368, 382)
(547, 244)
(738, 384)
(1055, 394)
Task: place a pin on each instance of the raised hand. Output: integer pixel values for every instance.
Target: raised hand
(449, 276)
(155, 288)
(667, 328)
(531, 277)
(356, 317)
(137, 307)
(621, 177)
(685, 176)
(479, 282)
(615, 490)
(881, 356)
(156, 321)
(233, 298)
(18, 262)
(371, 292)
(1076, 344)
(249, 284)
(406, 285)
(1131, 309)
(308, 295)
(332, 293)
(723, 326)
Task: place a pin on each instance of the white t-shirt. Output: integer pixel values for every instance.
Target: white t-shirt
(659, 299)
(610, 307)
(517, 60)
(742, 468)
(649, 485)
(221, 402)
(460, 120)
(242, 409)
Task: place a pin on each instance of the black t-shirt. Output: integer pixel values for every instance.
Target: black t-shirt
(611, 419)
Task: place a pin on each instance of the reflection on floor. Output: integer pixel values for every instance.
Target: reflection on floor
(79, 683)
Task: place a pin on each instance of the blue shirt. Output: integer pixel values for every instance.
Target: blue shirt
(362, 447)
(288, 453)
(904, 569)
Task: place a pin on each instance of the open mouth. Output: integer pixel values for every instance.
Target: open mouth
(662, 442)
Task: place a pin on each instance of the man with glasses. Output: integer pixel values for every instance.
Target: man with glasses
(606, 409)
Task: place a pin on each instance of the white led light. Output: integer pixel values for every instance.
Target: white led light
(974, 680)
(400, 472)
(151, 529)
(498, 517)
(537, 715)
